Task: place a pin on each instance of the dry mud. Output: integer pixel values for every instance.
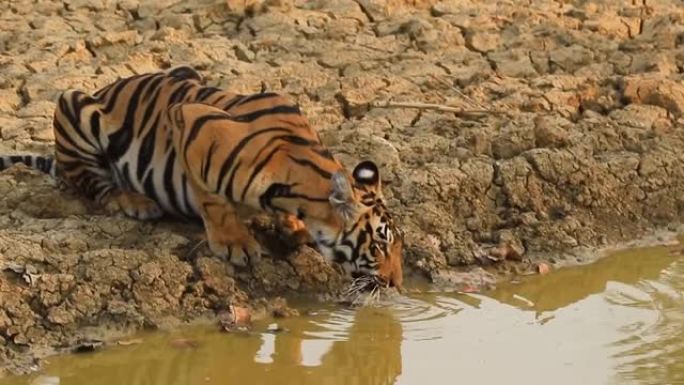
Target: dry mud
(571, 137)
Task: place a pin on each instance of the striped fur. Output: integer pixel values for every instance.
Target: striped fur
(165, 143)
(45, 164)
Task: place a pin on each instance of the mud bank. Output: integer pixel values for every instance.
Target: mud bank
(570, 139)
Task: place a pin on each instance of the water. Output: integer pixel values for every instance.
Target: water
(618, 321)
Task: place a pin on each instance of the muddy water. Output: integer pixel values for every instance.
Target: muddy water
(620, 320)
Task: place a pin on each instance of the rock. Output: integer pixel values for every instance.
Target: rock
(640, 116)
(510, 247)
(37, 109)
(656, 91)
(9, 101)
(612, 26)
(449, 7)
(515, 63)
(550, 131)
(543, 268)
(483, 41)
(13, 129)
(243, 53)
(570, 59)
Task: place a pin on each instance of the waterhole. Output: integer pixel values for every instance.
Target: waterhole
(617, 321)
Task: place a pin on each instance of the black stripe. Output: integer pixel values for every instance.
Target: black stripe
(252, 116)
(95, 126)
(48, 165)
(198, 124)
(323, 152)
(207, 160)
(236, 151)
(184, 73)
(229, 185)
(149, 111)
(68, 165)
(217, 101)
(16, 159)
(179, 94)
(148, 186)
(294, 139)
(254, 97)
(233, 102)
(278, 190)
(126, 177)
(168, 182)
(60, 130)
(258, 169)
(206, 92)
(186, 200)
(103, 90)
(274, 190)
(73, 121)
(145, 153)
(117, 90)
(311, 165)
(153, 87)
(120, 141)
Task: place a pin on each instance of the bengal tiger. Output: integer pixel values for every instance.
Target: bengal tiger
(164, 142)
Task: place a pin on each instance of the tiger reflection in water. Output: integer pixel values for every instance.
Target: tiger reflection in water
(360, 348)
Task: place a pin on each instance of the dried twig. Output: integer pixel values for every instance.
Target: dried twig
(465, 97)
(435, 107)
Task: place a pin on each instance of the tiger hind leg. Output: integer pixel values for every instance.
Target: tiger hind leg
(133, 204)
(227, 235)
(82, 163)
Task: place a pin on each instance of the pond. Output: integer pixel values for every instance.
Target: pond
(617, 321)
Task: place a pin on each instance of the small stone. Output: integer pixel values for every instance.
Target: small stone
(110, 38)
(543, 268)
(60, 316)
(549, 131)
(510, 247)
(15, 130)
(516, 64)
(9, 101)
(447, 7)
(609, 25)
(243, 53)
(571, 58)
(657, 91)
(36, 109)
(483, 41)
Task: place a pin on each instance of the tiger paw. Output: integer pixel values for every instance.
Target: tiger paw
(294, 228)
(238, 254)
(134, 205)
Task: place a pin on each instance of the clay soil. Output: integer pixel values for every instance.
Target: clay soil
(564, 133)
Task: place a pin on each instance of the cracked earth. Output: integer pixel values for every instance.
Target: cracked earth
(563, 131)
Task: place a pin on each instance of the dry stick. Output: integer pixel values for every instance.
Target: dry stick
(459, 92)
(431, 106)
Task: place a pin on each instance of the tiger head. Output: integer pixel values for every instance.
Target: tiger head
(361, 234)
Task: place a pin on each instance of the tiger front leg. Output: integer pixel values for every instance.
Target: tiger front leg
(227, 236)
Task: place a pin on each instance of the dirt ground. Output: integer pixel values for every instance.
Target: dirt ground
(569, 138)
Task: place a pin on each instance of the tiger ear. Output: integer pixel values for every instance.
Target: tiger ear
(342, 197)
(367, 174)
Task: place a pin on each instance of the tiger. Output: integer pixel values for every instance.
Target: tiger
(164, 143)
